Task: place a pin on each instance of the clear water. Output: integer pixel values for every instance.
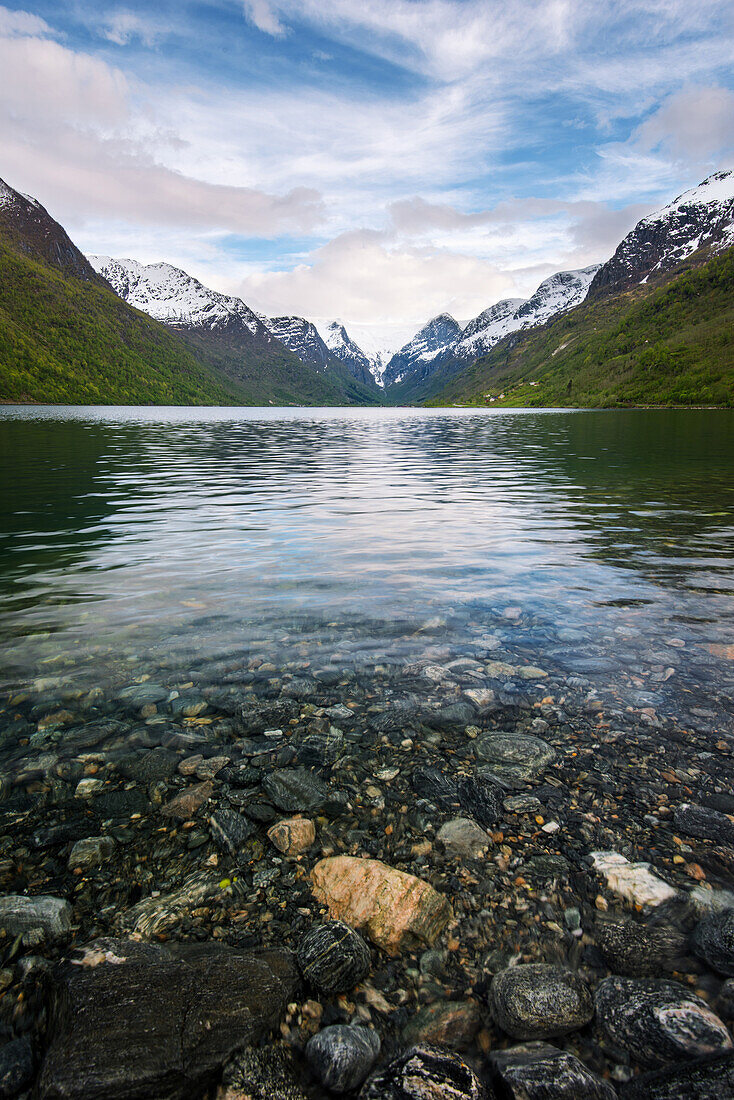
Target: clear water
(137, 535)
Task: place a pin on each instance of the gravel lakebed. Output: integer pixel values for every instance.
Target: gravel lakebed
(491, 856)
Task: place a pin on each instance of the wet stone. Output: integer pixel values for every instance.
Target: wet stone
(514, 758)
(657, 1021)
(149, 766)
(452, 1024)
(113, 804)
(184, 805)
(333, 957)
(295, 790)
(544, 866)
(137, 696)
(341, 1056)
(637, 950)
(435, 787)
(703, 823)
(713, 941)
(424, 1072)
(481, 799)
(463, 837)
(20, 914)
(704, 1079)
(92, 852)
(293, 836)
(230, 830)
(262, 1073)
(539, 1070)
(522, 804)
(16, 1067)
(538, 1001)
(321, 748)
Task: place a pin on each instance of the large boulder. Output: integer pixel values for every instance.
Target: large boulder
(538, 1071)
(134, 1020)
(395, 909)
(537, 1001)
(657, 1022)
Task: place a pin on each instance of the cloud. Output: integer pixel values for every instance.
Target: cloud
(122, 27)
(20, 23)
(695, 123)
(262, 15)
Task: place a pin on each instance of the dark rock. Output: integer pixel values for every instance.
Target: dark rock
(713, 941)
(162, 1022)
(137, 696)
(295, 790)
(435, 787)
(537, 1001)
(481, 799)
(333, 957)
(148, 766)
(546, 865)
(514, 758)
(92, 852)
(657, 1021)
(538, 1071)
(262, 1073)
(230, 830)
(703, 1079)
(424, 1073)
(111, 804)
(321, 748)
(638, 950)
(16, 1067)
(453, 714)
(452, 1024)
(240, 777)
(19, 914)
(703, 823)
(341, 1056)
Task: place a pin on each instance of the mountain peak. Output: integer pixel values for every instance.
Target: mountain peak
(31, 229)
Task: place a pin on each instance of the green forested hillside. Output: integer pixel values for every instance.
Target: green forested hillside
(67, 341)
(671, 345)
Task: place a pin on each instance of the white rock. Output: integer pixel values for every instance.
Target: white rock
(633, 881)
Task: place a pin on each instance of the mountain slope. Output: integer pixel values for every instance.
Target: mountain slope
(229, 336)
(341, 345)
(704, 215)
(65, 336)
(667, 344)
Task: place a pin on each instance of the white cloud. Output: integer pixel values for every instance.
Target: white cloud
(695, 123)
(262, 15)
(123, 26)
(20, 23)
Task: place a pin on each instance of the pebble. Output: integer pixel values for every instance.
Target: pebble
(713, 941)
(295, 790)
(539, 1001)
(20, 914)
(342, 1056)
(293, 836)
(92, 852)
(424, 1072)
(333, 957)
(514, 758)
(538, 1071)
(463, 837)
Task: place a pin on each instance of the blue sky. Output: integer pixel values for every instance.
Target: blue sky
(373, 160)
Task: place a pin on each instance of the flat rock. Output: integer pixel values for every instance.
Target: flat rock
(658, 1021)
(294, 836)
(703, 823)
(160, 1023)
(19, 914)
(184, 805)
(333, 957)
(153, 916)
(463, 837)
(713, 941)
(633, 881)
(395, 909)
(537, 1001)
(515, 758)
(137, 696)
(638, 950)
(295, 790)
(424, 1073)
(538, 1071)
(452, 1024)
(705, 1079)
(341, 1056)
(481, 799)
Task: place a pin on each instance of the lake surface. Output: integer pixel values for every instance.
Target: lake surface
(592, 538)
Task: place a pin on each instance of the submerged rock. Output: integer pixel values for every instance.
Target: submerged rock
(333, 957)
(293, 836)
(16, 1067)
(537, 1001)
(713, 941)
(91, 852)
(703, 823)
(262, 1073)
(463, 837)
(19, 914)
(295, 790)
(159, 1022)
(230, 830)
(705, 1079)
(153, 916)
(481, 799)
(658, 1021)
(424, 1073)
(538, 1071)
(638, 950)
(633, 881)
(451, 1024)
(342, 1056)
(514, 758)
(395, 909)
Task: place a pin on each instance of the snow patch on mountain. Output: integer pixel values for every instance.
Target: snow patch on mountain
(415, 359)
(169, 294)
(302, 338)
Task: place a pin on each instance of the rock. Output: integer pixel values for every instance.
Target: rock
(481, 799)
(703, 823)
(153, 916)
(449, 716)
(262, 1073)
(295, 790)
(230, 830)
(424, 1073)
(161, 1022)
(19, 914)
(184, 805)
(633, 881)
(149, 766)
(537, 1001)
(341, 1056)
(321, 748)
(657, 1021)
(91, 852)
(482, 699)
(87, 788)
(433, 785)
(137, 696)
(463, 837)
(704, 1079)
(713, 941)
(293, 836)
(538, 1071)
(522, 804)
(16, 1067)
(638, 950)
(333, 957)
(395, 909)
(452, 1024)
(514, 758)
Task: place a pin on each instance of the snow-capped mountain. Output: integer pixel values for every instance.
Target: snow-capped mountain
(556, 295)
(171, 295)
(350, 354)
(704, 215)
(488, 328)
(302, 338)
(38, 235)
(431, 343)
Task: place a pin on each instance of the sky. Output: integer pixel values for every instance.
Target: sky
(379, 161)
